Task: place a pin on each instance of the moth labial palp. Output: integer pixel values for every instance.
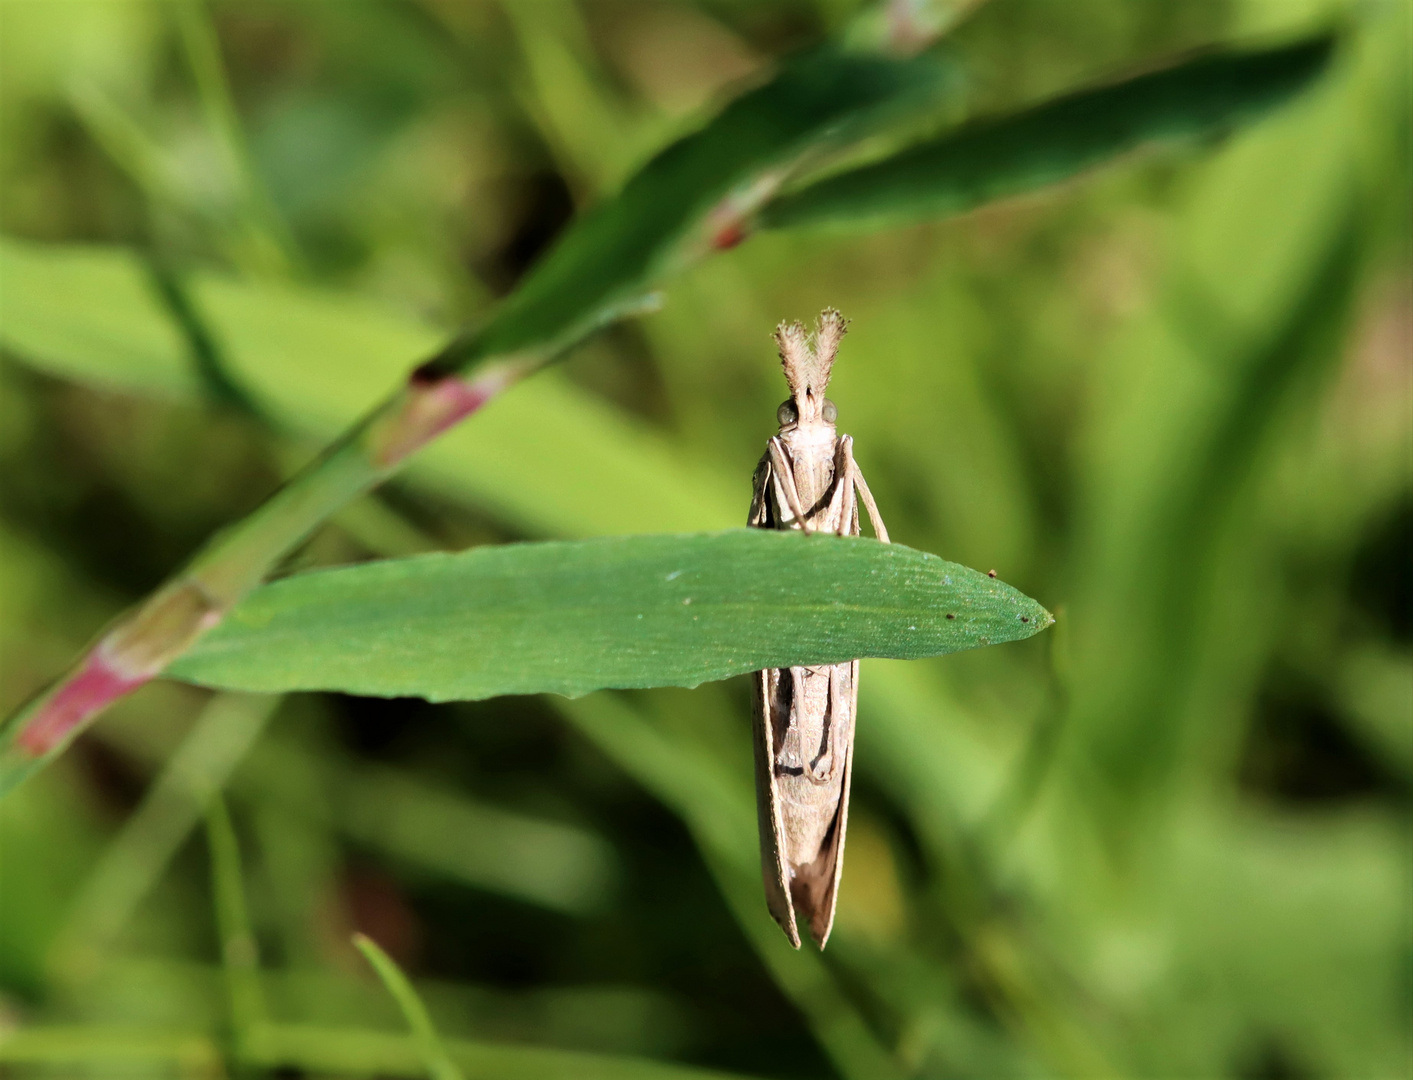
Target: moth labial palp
(804, 716)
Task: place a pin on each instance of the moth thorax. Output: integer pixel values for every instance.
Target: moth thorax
(811, 435)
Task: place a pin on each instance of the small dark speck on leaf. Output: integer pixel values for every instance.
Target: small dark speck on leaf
(950, 615)
(1025, 618)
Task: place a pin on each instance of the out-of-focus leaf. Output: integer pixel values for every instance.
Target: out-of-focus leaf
(239, 953)
(549, 863)
(609, 258)
(1376, 689)
(424, 1035)
(109, 1047)
(597, 1017)
(715, 803)
(547, 458)
(623, 612)
(347, 1051)
(133, 861)
(1008, 155)
(91, 315)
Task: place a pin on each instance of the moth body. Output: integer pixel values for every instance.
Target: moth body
(804, 716)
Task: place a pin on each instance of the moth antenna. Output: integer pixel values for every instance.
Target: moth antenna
(795, 355)
(829, 330)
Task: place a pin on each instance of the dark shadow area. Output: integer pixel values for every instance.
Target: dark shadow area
(1299, 751)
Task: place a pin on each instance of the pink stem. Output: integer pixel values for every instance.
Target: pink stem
(96, 686)
(433, 402)
(144, 642)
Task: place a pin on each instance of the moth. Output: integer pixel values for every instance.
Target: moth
(803, 717)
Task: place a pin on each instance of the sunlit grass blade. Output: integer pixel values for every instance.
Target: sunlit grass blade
(1008, 155)
(573, 617)
(313, 359)
(434, 1056)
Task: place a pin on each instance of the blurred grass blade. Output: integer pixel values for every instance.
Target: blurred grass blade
(599, 273)
(717, 807)
(175, 802)
(549, 863)
(429, 1044)
(314, 360)
(569, 618)
(237, 939)
(318, 1050)
(350, 1051)
(567, 93)
(693, 195)
(905, 27)
(266, 244)
(116, 1050)
(91, 315)
(1008, 155)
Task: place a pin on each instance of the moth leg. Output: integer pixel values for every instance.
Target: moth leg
(865, 496)
(785, 477)
(826, 774)
(759, 517)
(847, 506)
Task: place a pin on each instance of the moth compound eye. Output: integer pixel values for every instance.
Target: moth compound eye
(787, 413)
(830, 412)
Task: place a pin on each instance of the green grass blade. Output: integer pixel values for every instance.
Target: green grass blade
(554, 865)
(1008, 155)
(434, 1056)
(135, 859)
(238, 949)
(692, 196)
(264, 240)
(569, 618)
(688, 201)
(119, 1050)
(716, 805)
(321, 1050)
(541, 459)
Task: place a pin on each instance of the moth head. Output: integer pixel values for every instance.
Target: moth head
(807, 360)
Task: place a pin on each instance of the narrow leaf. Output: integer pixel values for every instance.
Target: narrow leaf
(429, 1045)
(1008, 155)
(238, 949)
(570, 618)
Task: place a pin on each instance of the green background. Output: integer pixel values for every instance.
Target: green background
(1171, 400)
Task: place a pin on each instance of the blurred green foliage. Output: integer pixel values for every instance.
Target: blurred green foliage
(1171, 400)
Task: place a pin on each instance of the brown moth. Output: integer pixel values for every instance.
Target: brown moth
(804, 716)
